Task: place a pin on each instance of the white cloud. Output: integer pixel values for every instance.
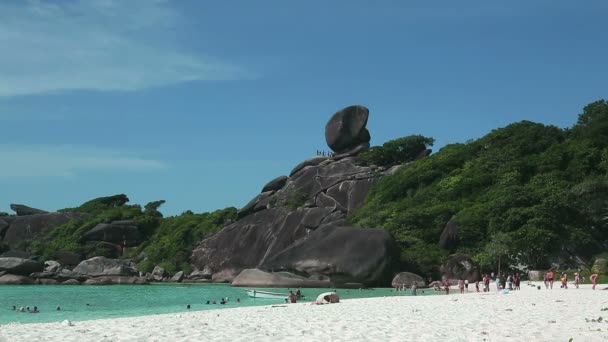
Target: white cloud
(108, 45)
(66, 161)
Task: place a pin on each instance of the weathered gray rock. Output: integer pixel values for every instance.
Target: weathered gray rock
(33, 226)
(178, 277)
(12, 279)
(275, 184)
(51, 266)
(246, 243)
(205, 274)
(346, 129)
(47, 281)
(314, 161)
(3, 227)
(159, 273)
(449, 236)
(408, 279)
(101, 266)
(260, 202)
(20, 266)
(125, 233)
(345, 255)
(72, 282)
(259, 278)
(460, 266)
(24, 210)
(64, 274)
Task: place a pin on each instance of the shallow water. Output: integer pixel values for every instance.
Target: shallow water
(94, 302)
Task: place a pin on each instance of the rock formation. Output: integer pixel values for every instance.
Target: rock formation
(20, 266)
(460, 266)
(24, 210)
(298, 223)
(259, 278)
(346, 130)
(407, 279)
(31, 226)
(449, 236)
(125, 233)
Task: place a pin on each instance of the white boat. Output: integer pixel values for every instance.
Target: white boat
(266, 294)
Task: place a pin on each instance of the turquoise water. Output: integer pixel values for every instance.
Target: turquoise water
(135, 300)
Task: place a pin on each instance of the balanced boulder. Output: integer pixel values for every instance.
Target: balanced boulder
(346, 129)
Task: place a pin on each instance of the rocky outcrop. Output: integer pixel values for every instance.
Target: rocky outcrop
(205, 274)
(159, 273)
(125, 233)
(24, 210)
(449, 235)
(72, 282)
(20, 266)
(346, 129)
(275, 184)
(407, 279)
(101, 266)
(12, 279)
(178, 277)
(298, 223)
(116, 280)
(51, 266)
(460, 266)
(32, 226)
(259, 278)
(346, 255)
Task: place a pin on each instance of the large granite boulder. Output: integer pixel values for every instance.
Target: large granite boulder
(460, 266)
(258, 203)
(275, 184)
(346, 129)
(346, 255)
(407, 279)
(12, 279)
(449, 235)
(178, 277)
(249, 241)
(259, 278)
(101, 266)
(51, 266)
(205, 274)
(24, 210)
(159, 273)
(71, 282)
(125, 233)
(20, 266)
(32, 226)
(314, 161)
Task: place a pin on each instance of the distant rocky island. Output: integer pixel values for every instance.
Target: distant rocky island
(362, 216)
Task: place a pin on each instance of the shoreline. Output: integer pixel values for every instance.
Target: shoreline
(539, 315)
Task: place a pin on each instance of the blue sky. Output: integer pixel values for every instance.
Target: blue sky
(201, 103)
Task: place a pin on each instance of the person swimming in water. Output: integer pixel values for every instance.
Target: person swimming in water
(35, 310)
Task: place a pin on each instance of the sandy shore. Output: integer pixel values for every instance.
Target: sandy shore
(527, 315)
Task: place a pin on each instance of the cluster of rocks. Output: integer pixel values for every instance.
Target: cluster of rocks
(94, 271)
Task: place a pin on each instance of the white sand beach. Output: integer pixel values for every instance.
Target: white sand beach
(526, 315)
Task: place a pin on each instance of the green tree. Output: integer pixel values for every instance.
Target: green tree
(398, 151)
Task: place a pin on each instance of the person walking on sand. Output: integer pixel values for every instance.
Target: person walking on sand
(593, 279)
(577, 279)
(461, 285)
(292, 297)
(550, 277)
(446, 287)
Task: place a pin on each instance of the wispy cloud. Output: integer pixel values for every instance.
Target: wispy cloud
(115, 45)
(67, 161)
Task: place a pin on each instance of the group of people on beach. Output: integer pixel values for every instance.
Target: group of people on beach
(550, 278)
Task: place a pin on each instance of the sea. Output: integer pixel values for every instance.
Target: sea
(78, 303)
